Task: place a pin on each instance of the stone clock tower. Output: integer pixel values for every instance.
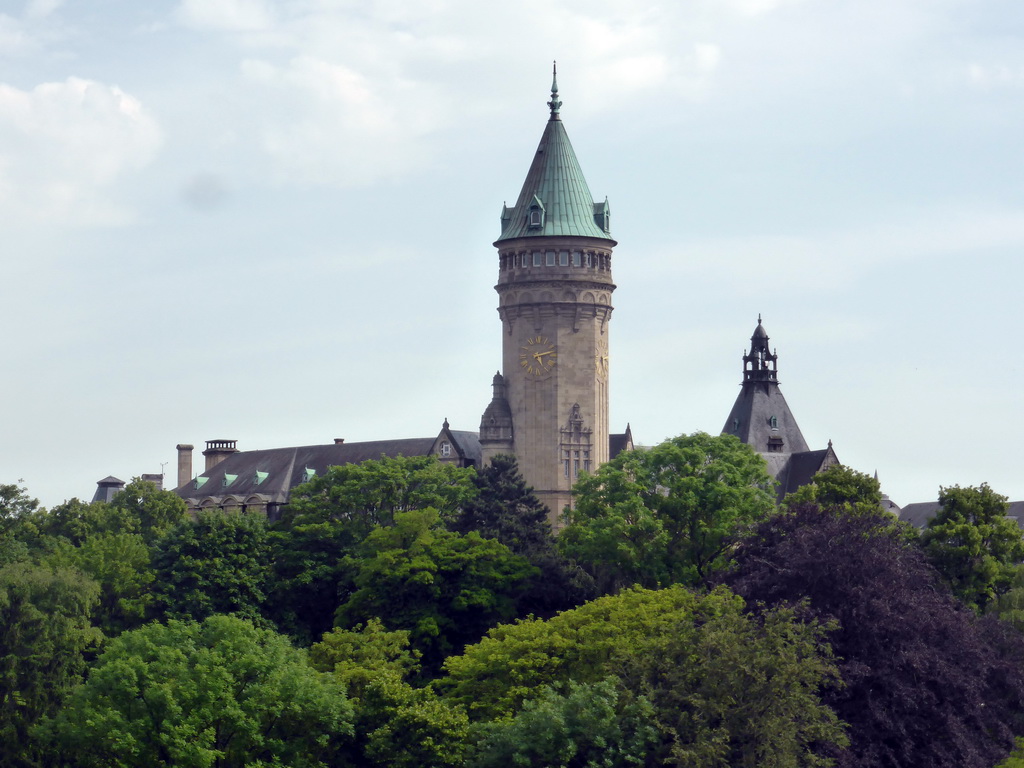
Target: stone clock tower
(550, 404)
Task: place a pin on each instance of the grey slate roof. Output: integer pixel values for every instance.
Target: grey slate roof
(272, 473)
(556, 180)
(919, 513)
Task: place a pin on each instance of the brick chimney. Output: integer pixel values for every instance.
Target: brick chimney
(184, 464)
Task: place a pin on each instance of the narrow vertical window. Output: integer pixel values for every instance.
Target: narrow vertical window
(563, 258)
(576, 258)
(565, 462)
(537, 256)
(551, 258)
(523, 260)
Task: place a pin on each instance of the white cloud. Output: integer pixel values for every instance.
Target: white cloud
(63, 145)
(989, 76)
(835, 259)
(228, 15)
(328, 123)
(38, 9)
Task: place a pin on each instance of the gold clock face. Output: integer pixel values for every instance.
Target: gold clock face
(537, 357)
(601, 359)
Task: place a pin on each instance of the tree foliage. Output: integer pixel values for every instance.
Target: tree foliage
(926, 682)
(216, 693)
(217, 563)
(328, 517)
(506, 509)
(444, 588)
(396, 724)
(973, 544)
(370, 494)
(591, 725)
(44, 631)
(840, 488)
(726, 688)
(667, 515)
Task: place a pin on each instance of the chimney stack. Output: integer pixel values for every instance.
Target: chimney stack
(218, 450)
(184, 464)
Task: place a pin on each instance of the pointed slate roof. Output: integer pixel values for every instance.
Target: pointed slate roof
(760, 417)
(556, 190)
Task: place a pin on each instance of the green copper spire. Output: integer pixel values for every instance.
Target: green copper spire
(555, 200)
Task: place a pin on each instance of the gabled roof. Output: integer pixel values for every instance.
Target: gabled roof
(803, 467)
(555, 187)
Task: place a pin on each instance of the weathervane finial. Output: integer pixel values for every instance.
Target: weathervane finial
(555, 103)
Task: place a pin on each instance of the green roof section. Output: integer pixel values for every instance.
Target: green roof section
(555, 200)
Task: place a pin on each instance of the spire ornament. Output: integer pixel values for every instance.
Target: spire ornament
(555, 103)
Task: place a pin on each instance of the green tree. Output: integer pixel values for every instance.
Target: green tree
(669, 514)
(444, 588)
(370, 494)
(839, 487)
(396, 724)
(155, 510)
(44, 631)
(359, 654)
(591, 725)
(76, 521)
(331, 515)
(217, 563)
(120, 564)
(17, 510)
(220, 693)
(506, 509)
(973, 544)
(726, 687)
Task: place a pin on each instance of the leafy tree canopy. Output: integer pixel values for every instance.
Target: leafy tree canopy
(369, 494)
(506, 509)
(591, 725)
(120, 564)
(667, 515)
(357, 655)
(217, 563)
(726, 688)
(973, 544)
(444, 588)
(396, 724)
(44, 631)
(191, 695)
(839, 487)
(926, 683)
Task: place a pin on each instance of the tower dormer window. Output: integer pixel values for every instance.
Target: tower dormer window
(446, 449)
(774, 445)
(773, 422)
(535, 214)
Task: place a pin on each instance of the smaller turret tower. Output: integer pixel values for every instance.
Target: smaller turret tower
(761, 418)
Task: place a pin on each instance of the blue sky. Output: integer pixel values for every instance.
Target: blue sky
(272, 221)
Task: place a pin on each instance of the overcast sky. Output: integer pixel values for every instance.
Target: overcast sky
(272, 221)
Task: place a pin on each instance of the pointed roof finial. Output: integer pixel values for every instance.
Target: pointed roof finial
(555, 103)
(758, 318)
